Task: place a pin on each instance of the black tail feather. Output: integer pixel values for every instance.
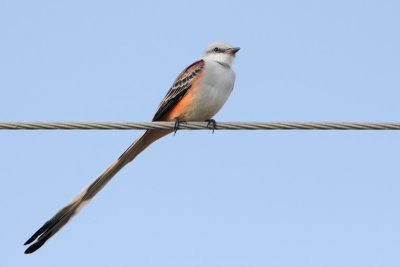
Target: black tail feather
(52, 226)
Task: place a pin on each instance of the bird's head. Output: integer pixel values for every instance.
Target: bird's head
(221, 52)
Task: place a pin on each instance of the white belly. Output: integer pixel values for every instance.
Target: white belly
(217, 85)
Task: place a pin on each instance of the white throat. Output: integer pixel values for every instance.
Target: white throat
(222, 58)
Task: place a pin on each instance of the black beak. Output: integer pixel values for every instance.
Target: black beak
(233, 50)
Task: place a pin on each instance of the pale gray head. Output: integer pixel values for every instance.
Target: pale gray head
(221, 52)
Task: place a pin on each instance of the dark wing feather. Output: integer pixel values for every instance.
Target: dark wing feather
(178, 89)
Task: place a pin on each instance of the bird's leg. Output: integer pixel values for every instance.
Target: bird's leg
(176, 125)
(211, 124)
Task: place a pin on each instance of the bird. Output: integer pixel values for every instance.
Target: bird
(197, 94)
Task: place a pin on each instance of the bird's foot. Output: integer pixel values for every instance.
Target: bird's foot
(211, 124)
(176, 125)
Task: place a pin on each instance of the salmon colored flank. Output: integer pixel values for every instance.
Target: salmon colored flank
(178, 111)
(180, 87)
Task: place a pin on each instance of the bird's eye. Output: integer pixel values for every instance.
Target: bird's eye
(216, 50)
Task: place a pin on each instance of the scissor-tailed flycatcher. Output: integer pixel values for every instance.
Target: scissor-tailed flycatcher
(197, 94)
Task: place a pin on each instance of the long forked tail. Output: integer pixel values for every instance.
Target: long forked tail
(62, 217)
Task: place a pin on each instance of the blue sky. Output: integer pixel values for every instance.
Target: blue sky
(233, 198)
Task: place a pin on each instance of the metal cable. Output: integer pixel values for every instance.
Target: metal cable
(200, 125)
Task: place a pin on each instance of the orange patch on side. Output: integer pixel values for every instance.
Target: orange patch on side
(185, 104)
(179, 110)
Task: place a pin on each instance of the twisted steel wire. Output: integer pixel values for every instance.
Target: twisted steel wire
(200, 125)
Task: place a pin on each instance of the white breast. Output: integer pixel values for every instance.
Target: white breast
(215, 88)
